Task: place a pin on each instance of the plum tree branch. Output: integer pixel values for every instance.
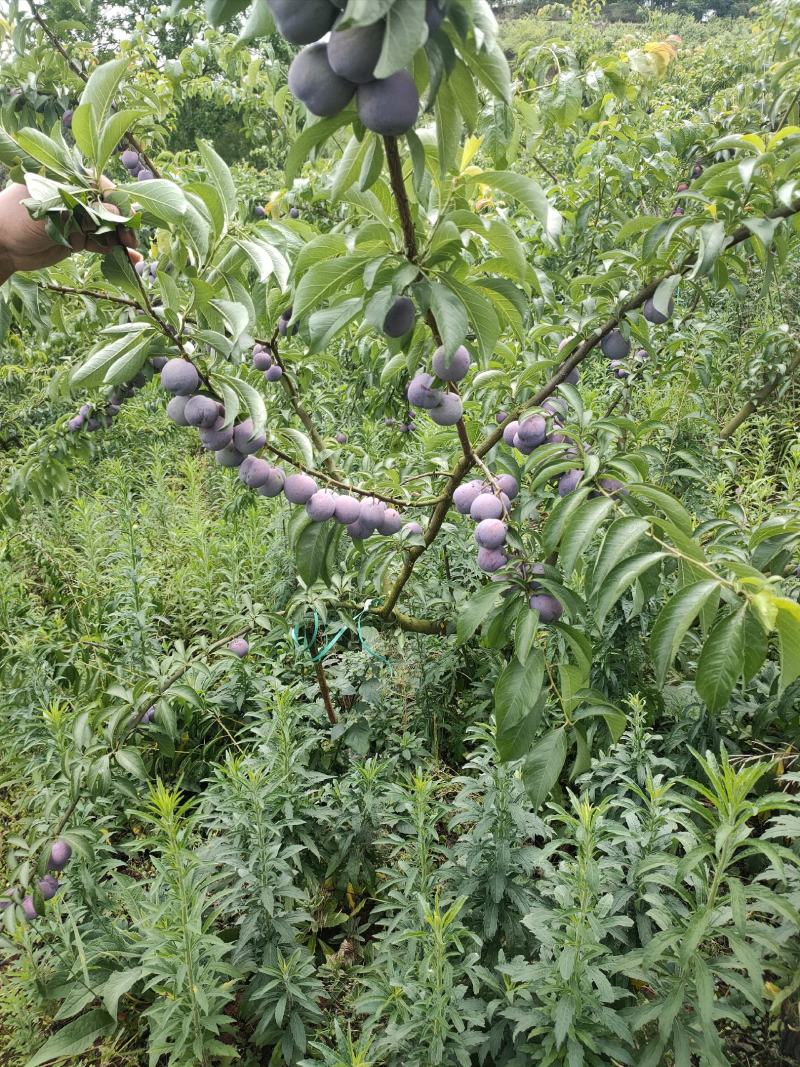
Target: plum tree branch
(583, 350)
(744, 413)
(95, 294)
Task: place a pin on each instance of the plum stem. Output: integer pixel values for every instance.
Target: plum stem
(401, 196)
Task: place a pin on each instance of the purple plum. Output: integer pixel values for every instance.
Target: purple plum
(254, 472)
(321, 506)
(246, 440)
(219, 436)
(508, 483)
(274, 373)
(130, 159)
(549, 607)
(390, 523)
(145, 175)
(372, 511)
(569, 481)
(490, 533)
(60, 853)
(486, 506)
(400, 317)
(48, 886)
(421, 395)
(239, 646)
(412, 529)
(454, 369)
(274, 483)
(200, 411)
(532, 431)
(299, 488)
(449, 411)
(262, 358)
(340, 438)
(466, 495)
(229, 457)
(347, 510)
(491, 559)
(180, 377)
(510, 433)
(615, 345)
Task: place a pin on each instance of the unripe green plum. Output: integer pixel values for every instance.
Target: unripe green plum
(615, 345)
(449, 411)
(305, 21)
(180, 377)
(490, 533)
(201, 411)
(274, 483)
(550, 609)
(389, 106)
(400, 317)
(246, 440)
(354, 53)
(299, 488)
(316, 85)
(454, 369)
(229, 457)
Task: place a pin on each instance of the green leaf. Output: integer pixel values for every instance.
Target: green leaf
(722, 660)
(113, 131)
(492, 70)
(158, 198)
(450, 315)
(311, 550)
(75, 1038)
(673, 622)
(326, 280)
(516, 705)
(529, 193)
(477, 609)
(787, 624)
(405, 32)
(260, 22)
(620, 578)
(130, 760)
(302, 444)
(43, 149)
(255, 405)
(544, 764)
(101, 86)
(117, 985)
(220, 178)
(579, 530)
(620, 538)
(310, 138)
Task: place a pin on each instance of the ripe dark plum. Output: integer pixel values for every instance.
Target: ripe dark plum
(303, 22)
(490, 533)
(466, 495)
(180, 377)
(653, 315)
(246, 440)
(549, 607)
(239, 646)
(274, 483)
(569, 481)
(200, 411)
(454, 369)
(615, 345)
(390, 106)
(448, 411)
(299, 488)
(313, 81)
(354, 53)
(60, 853)
(508, 483)
(486, 506)
(229, 457)
(321, 506)
(219, 436)
(274, 373)
(254, 472)
(532, 431)
(491, 559)
(510, 432)
(420, 393)
(390, 523)
(400, 317)
(347, 510)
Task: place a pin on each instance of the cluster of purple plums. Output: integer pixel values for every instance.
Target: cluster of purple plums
(444, 408)
(91, 418)
(48, 886)
(683, 187)
(237, 445)
(326, 75)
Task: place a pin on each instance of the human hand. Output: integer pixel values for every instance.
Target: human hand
(25, 244)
